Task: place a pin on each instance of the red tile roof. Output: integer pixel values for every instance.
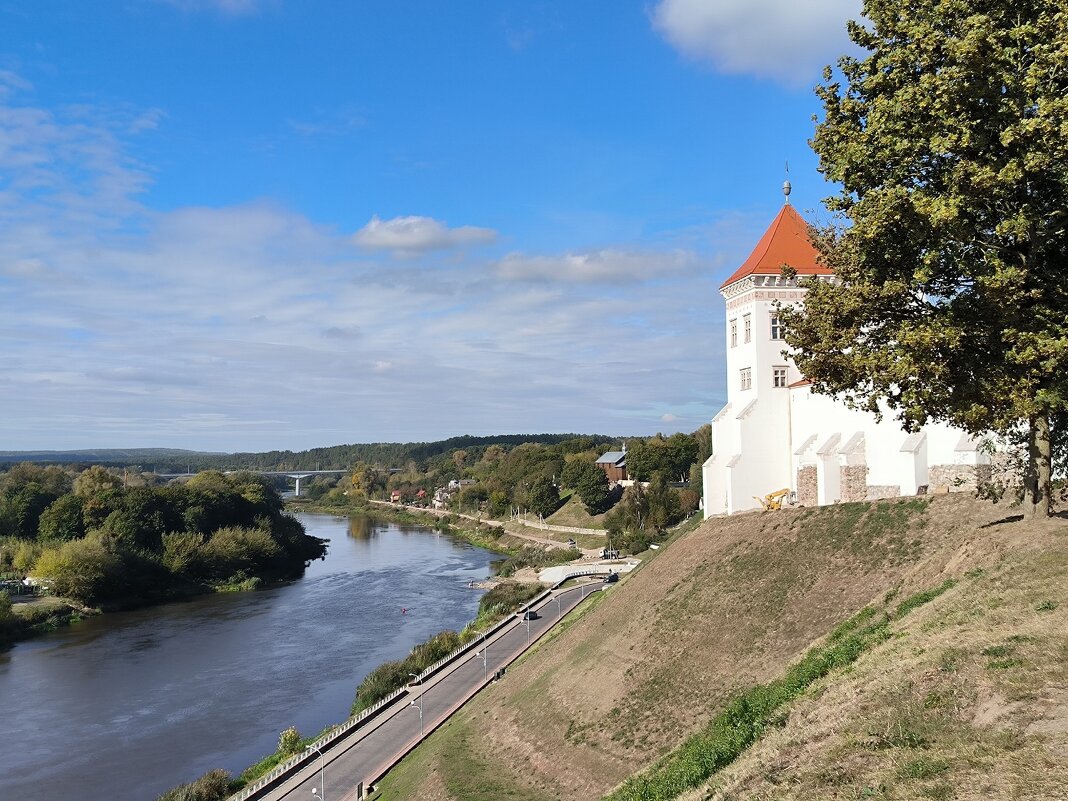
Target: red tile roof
(785, 242)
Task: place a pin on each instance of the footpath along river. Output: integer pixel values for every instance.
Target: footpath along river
(124, 706)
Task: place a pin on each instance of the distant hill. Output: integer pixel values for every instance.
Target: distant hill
(109, 456)
(335, 457)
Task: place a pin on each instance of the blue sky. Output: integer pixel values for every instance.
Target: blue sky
(258, 224)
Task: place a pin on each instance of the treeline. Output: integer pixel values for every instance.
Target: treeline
(340, 457)
(537, 478)
(94, 541)
(498, 477)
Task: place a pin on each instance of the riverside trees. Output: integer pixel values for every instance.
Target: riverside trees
(949, 140)
(101, 544)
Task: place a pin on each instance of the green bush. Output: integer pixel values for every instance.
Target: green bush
(235, 550)
(506, 597)
(86, 569)
(214, 785)
(533, 556)
(289, 742)
(9, 623)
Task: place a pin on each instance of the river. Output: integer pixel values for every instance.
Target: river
(124, 706)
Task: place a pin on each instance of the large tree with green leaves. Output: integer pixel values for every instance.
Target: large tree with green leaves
(949, 139)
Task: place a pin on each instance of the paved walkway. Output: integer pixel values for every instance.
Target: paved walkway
(552, 575)
(594, 532)
(372, 750)
(489, 522)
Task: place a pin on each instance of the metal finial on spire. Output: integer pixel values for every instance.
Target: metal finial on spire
(786, 184)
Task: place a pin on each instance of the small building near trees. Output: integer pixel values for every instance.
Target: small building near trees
(614, 464)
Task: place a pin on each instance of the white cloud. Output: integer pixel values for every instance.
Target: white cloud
(669, 418)
(408, 235)
(233, 8)
(609, 266)
(253, 327)
(11, 82)
(784, 40)
(329, 123)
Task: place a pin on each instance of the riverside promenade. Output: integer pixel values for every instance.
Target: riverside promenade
(351, 765)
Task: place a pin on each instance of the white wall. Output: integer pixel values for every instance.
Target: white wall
(757, 436)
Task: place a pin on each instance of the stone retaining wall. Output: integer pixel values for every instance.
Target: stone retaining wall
(958, 477)
(879, 491)
(807, 487)
(855, 483)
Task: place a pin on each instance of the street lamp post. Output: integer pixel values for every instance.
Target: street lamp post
(484, 656)
(419, 706)
(322, 774)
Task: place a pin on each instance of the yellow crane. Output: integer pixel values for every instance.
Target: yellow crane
(773, 500)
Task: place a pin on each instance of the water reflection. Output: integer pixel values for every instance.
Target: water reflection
(361, 527)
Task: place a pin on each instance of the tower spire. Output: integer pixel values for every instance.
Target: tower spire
(786, 184)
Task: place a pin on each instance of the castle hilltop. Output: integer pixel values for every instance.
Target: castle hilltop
(775, 433)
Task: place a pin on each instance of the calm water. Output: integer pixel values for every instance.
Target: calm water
(123, 707)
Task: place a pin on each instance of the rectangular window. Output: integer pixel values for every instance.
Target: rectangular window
(734, 333)
(748, 327)
(747, 378)
(776, 327)
(778, 376)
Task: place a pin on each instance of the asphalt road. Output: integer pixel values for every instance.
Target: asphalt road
(370, 751)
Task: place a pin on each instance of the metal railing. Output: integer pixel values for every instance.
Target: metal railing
(280, 771)
(297, 761)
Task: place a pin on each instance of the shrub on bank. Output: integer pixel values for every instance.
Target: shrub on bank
(503, 599)
(214, 785)
(9, 624)
(537, 558)
(391, 676)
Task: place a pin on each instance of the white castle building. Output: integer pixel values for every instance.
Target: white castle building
(775, 434)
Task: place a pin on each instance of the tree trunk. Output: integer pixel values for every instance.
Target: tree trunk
(1036, 501)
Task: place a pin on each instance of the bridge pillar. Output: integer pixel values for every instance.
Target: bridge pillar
(297, 477)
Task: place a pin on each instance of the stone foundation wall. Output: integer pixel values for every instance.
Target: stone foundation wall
(877, 491)
(958, 477)
(807, 488)
(1006, 469)
(854, 483)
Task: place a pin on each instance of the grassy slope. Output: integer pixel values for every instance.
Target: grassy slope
(726, 606)
(968, 701)
(573, 513)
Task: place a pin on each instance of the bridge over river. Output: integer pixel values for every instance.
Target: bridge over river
(296, 475)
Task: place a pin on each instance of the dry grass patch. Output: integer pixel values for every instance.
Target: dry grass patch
(573, 513)
(969, 701)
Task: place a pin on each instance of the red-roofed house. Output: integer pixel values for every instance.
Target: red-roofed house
(774, 433)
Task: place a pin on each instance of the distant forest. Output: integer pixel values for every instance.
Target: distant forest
(335, 457)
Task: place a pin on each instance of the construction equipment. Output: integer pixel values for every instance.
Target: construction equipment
(773, 500)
